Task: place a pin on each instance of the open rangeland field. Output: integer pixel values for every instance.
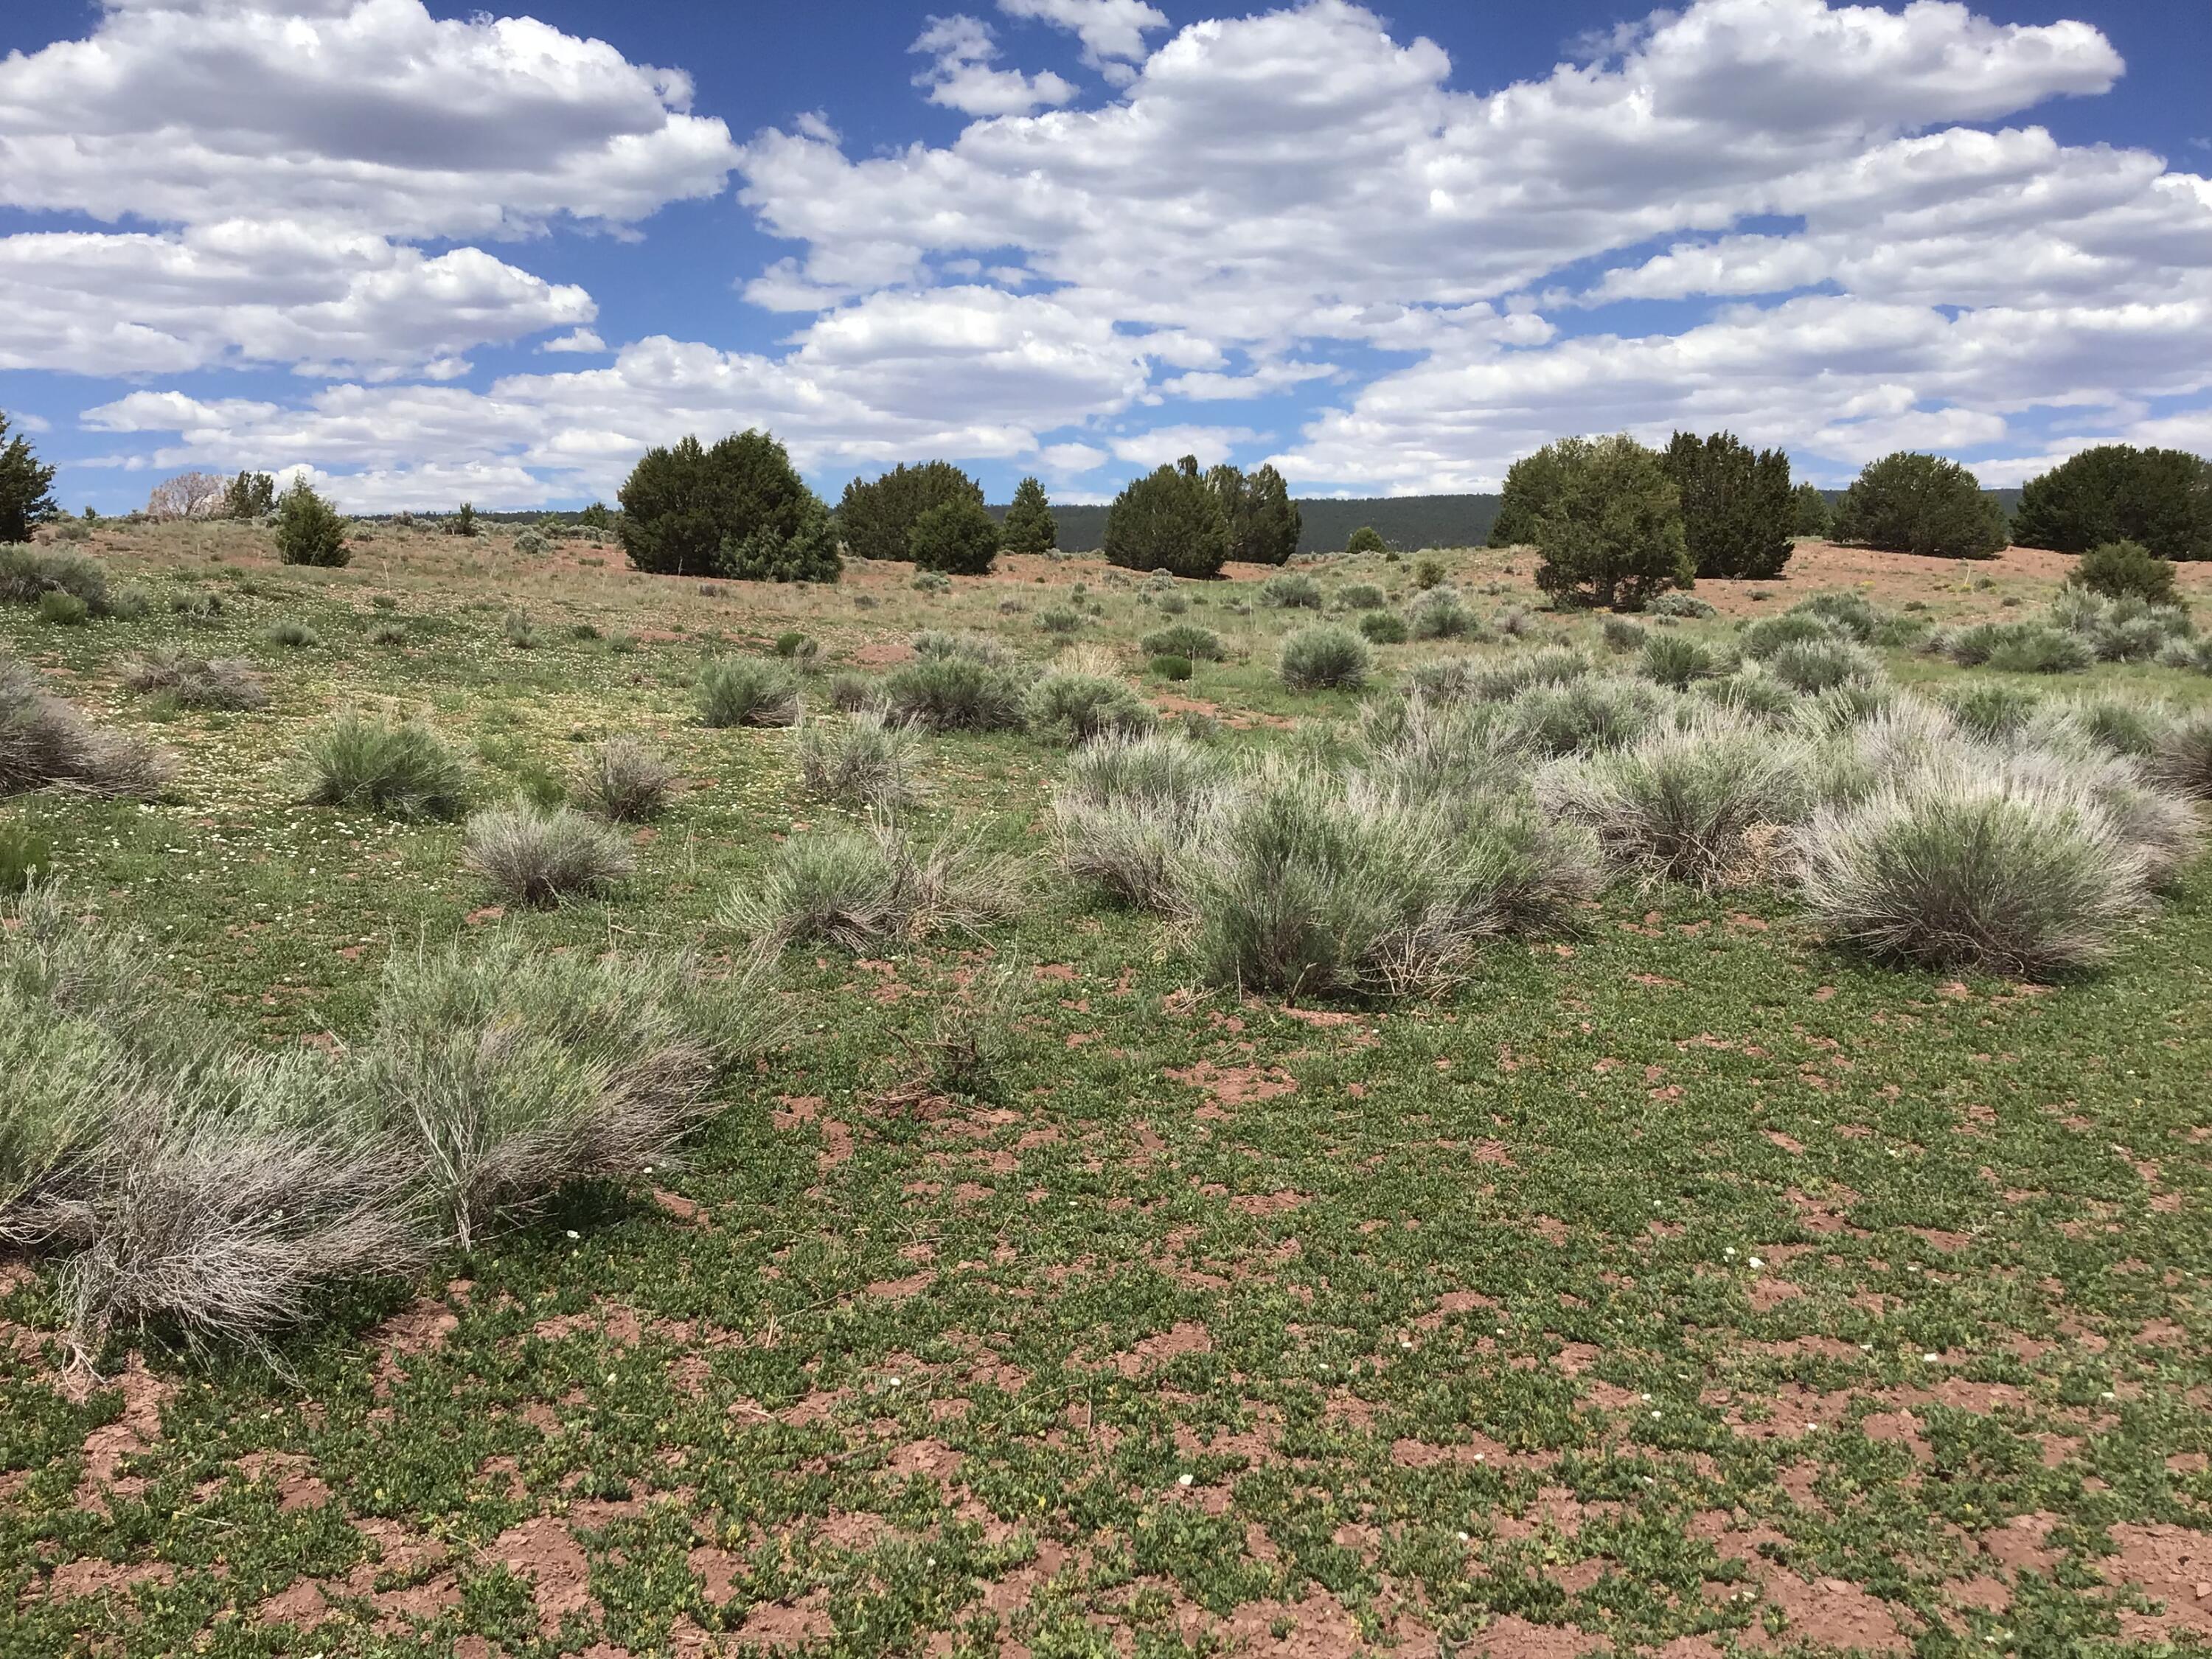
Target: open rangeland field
(1672, 1281)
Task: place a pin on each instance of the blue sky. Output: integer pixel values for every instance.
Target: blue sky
(1387, 250)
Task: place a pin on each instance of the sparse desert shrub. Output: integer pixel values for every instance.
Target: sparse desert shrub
(27, 574)
(856, 887)
(1381, 627)
(2193, 656)
(1311, 886)
(1428, 573)
(1059, 619)
(1439, 613)
(1674, 661)
(1360, 596)
(46, 743)
(1762, 639)
(391, 633)
(955, 693)
(1622, 634)
(1291, 591)
(850, 691)
(195, 682)
(402, 769)
(1515, 622)
(520, 632)
(1580, 717)
(1989, 709)
(1679, 605)
(1324, 656)
(309, 531)
(514, 1070)
(1851, 614)
(1703, 803)
(1751, 691)
(1810, 666)
(1185, 639)
(1132, 810)
(1072, 708)
(627, 782)
(293, 636)
(2183, 760)
(1973, 864)
(864, 760)
(532, 855)
(1921, 504)
(748, 691)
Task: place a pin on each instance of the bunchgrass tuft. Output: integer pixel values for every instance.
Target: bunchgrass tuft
(858, 887)
(1132, 811)
(862, 760)
(194, 682)
(401, 769)
(955, 693)
(627, 782)
(1325, 657)
(1069, 708)
(532, 855)
(1675, 660)
(748, 691)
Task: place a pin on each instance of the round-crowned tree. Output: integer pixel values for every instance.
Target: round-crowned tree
(876, 516)
(958, 536)
(1923, 504)
(2159, 499)
(681, 505)
(1738, 510)
(1611, 532)
(308, 528)
(1366, 539)
(1531, 484)
(1029, 525)
(1169, 520)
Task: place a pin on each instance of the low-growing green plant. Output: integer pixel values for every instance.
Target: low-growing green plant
(2124, 569)
(529, 855)
(1989, 709)
(1325, 657)
(1381, 627)
(1291, 591)
(1187, 640)
(1678, 604)
(1428, 573)
(401, 769)
(1676, 660)
(747, 691)
(1059, 619)
(27, 574)
(1580, 717)
(2031, 649)
(1810, 666)
(1439, 613)
(625, 781)
(795, 646)
(864, 760)
(850, 691)
(63, 610)
(1360, 596)
(292, 635)
(1622, 635)
(25, 856)
(1177, 669)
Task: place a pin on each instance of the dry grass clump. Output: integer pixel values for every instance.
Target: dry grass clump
(1807, 666)
(748, 691)
(532, 854)
(953, 691)
(1131, 810)
(401, 769)
(194, 682)
(512, 1072)
(1316, 885)
(855, 887)
(1581, 717)
(46, 743)
(627, 782)
(1417, 750)
(863, 760)
(1968, 861)
(2182, 760)
(1700, 804)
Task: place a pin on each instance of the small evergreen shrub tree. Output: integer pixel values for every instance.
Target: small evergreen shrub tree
(877, 517)
(1810, 512)
(1169, 520)
(1738, 509)
(1264, 523)
(1611, 533)
(1365, 539)
(27, 495)
(2124, 569)
(2159, 499)
(250, 495)
(1921, 504)
(734, 510)
(1029, 525)
(957, 537)
(308, 528)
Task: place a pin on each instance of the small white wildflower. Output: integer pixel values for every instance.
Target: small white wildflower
(1931, 1359)
(573, 1233)
(1183, 1481)
(1756, 1263)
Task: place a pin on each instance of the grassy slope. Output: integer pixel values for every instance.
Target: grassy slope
(1387, 1291)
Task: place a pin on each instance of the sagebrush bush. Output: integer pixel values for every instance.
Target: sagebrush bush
(1678, 604)
(1439, 613)
(627, 782)
(1381, 627)
(1291, 592)
(1185, 639)
(1580, 717)
(193, 682)
(520, 631)
(2030, 648)
(1751, 691)
(864, 760)
(28, 574)
(1324, 656)
(1762, 639)
(401, 769)
(1071, 707)
(293, 634)
(1551, 665)
(857, 887)
(748, 691)
(850, 691)
(1622, 635)
(1676, 660)
(532, 855)
(1973, 864)
(975, 648)
(2182, 761)
(1132, 811)
(1420, 749)
(513, 1072)
(46, 743)
(1810, 666)
(1315, 887)
(955, 693)
(1702, 804)
(1851, 614)
(1360, 596)
(1989, 709)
